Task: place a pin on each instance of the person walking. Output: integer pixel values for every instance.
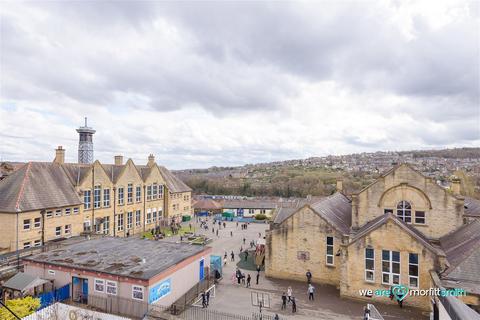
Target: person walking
(208, 297)
(249, 278)
(244, 240)
(231, 233)
(217, 232)
(294, 305)
(289, 294)
(309, 276)
(276, 317)
(258, 277)
(246, 255)
(232, 256)
(204, 300)
(311, 290)
(284, 301)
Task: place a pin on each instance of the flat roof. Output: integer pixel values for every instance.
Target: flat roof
(120, 256)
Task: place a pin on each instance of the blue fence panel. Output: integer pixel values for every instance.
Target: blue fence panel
(63, 293)
(46, 299)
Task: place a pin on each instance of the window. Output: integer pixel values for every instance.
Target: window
(99, 285)
(68, 211)
(149, 193)
(154, 191)
(97, 194)
(129, 220)
(68, 228)
(26, 224)
(149, 216)
(111, 287)
(129, 193)
(75, 210)
(49, 214)
(37, 243)
(58, 231)
(159, 213)
(87, 197)
(420, 217)
(369, 265)
(37, 223)
(58, 212)
(27, 245)
(329, 254)
(390, 267)
(138, 219)
(154, 215)
(138, 194)
(160, 191)
(137, 292)
(106, 198)
(262, 211)
(388, 211)
(106, 225)
(120, 222)
(413, 270)
(404, 211)
(251, 210)
(120, 196)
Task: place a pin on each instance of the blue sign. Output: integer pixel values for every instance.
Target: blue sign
(160, 290)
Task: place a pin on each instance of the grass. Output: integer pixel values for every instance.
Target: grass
(168, 232)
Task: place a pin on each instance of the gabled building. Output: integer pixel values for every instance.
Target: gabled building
(41, 202)
(395, 231)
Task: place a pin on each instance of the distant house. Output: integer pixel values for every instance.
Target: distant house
(207, 206)
(249, 208)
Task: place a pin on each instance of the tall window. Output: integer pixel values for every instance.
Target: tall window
(160, 191)
(154, 215)
(120, 196)
(68, 228)
(130, 193)
(106, 225)
(138, 218)
(413, 270)
(37, 223)
(154, 191)
(96, 197)
(129, 220)
(120, 222)
(149, 216)
(87, 198)
(138, 194)
(149, 192)
(390, 267)
(106, 198)
(404, 211)
(420, 217)
(369, 264)
(329, 255)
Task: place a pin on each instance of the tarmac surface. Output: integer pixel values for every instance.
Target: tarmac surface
(233, 298)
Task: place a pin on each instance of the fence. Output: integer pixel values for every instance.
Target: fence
(373, 313)
(60, 311)
(118, 305)
(61, 294)
(197, 313)
(188, 298)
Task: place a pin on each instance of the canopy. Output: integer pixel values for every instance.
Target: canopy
(23, 282)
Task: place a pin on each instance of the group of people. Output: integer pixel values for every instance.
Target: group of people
(205, 299)
(288, 298)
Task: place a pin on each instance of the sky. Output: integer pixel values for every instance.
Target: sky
(202, 84)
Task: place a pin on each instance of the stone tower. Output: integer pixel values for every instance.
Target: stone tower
(85, 144)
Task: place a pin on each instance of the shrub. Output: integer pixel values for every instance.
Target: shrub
(260, 216)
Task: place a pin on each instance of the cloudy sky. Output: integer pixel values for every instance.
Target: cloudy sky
(201, 84)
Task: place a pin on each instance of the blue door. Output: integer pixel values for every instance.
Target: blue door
(85, 287)
(202, 269)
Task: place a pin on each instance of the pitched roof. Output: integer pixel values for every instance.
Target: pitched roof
(113, 171)
(37, 185)
(383, 219)
(460, 244)
(249, 204)
(472, 207)
(174, 184)
(76, 172)
(207, 204)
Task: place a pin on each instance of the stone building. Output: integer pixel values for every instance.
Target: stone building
(397, 230)
(41, 202)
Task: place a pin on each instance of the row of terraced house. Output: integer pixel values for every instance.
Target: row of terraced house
(48, 201)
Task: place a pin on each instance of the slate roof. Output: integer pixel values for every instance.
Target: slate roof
(472, 207)
(249, 204)
(76, 172)
(37, 185)
(174, 184)
(23, 281)
(460, 245)
(113, 171)
(207, 204)
(120, 256)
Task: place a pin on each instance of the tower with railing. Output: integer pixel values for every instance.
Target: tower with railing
(85, 143)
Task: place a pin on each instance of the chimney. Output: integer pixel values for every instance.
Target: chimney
(339, 185)
(118, 160)
(455, 185)
(59, 155)
(151, 160)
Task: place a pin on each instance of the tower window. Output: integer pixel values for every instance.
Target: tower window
(404, 211)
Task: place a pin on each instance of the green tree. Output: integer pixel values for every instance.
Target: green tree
(21, 307)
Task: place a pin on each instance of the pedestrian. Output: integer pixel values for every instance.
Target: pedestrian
(225, 255)
(249, 278)
(231, 233)
(309, 276)
(237, 224)
(213, 230)
(294, 305)
(246, 255)
(243, 278)
(190, 225)
(232, 255)
(204, 300)
(258, 277)
(224, 225)
(241, 249)
(311, 290)
(289, 294)
(259, 234)
(225, 261)
(217, 232)
(243, 240)
(284, 301)
(208, 297)
(276, 317)
(128, 233)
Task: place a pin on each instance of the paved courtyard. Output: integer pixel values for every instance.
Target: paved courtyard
(233, 298)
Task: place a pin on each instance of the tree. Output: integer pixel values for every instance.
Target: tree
(21, 307)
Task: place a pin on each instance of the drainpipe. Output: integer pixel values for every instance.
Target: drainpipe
(144, 208)
(42, 213)
(114, 211)
(92, 197)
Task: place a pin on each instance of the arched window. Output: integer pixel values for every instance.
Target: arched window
(404, 211)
